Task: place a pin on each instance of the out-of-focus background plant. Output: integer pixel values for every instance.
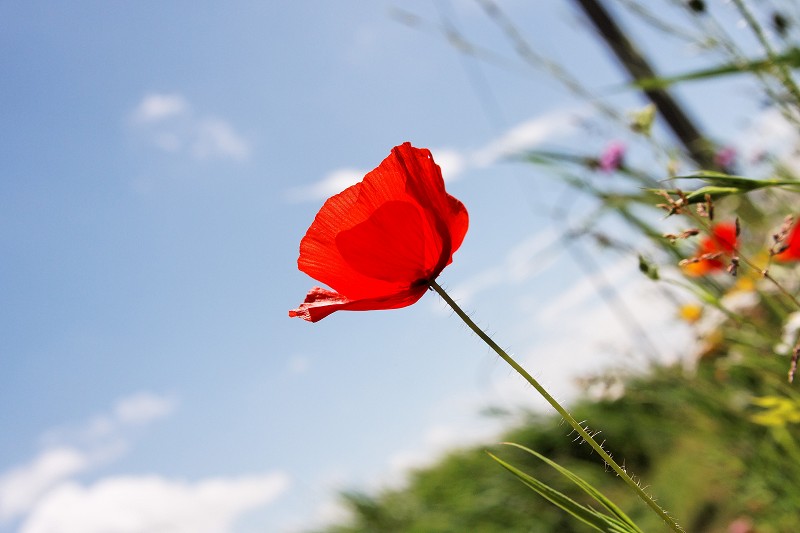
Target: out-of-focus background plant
(714, 435)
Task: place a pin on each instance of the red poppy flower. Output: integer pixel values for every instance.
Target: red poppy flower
(379, 242)
(792, 242)
(712, 250)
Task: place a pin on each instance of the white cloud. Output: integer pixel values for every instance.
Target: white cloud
(143, 407)
(583, 292)
(153, 504)
(157, 107)
(45, 496)
(450, 161)
(530, 134)
(579, 333)
(523, 261)
(299, 364)
(453, 162)
(333, 183)
(327, 513)
(769, 134)
(463, 428)
(170, 124)
(437, 441)
(69, 451)
(168, 141)
(22, 486)
(128, 412)
(587, 337)
(217, 138)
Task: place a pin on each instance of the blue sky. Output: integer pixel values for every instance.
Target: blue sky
(159, 165)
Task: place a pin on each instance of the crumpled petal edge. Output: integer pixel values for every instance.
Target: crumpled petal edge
(320, 303)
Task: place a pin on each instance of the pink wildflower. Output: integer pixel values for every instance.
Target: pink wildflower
(725, 158)
(741, 525)
(611, 158)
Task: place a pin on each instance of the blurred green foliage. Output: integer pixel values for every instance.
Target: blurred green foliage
(693, 436)
(715, 436)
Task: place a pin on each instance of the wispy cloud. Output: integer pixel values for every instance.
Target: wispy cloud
(127, 414)
(143, 407)
(454, 163)
(437, 441)
(298, 364)
(530, 134)
(583, 292)
(132, 504)
(157, 107)
(23, 485)
(770, 134)
(333, 183)
(172, 125)
(461, 429)
(75, 449)
(217, 138)
(524, 261)
(450, 161)
(45, 496)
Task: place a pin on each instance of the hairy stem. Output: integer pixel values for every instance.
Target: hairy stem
(584, 434)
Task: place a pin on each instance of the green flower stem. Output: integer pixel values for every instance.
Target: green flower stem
(558, 407)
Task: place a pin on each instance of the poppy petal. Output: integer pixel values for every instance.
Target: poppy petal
(447, 216)
(792, 251)
(320, 303)
(703, 267)
(722, 240)
(458, 223)
(388, 245)
(320, 257)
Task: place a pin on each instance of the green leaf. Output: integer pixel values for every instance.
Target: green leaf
(722, 185)
(642, 120)
(595, 519)
(699, 195)
(550, 157)
(584, 486)
(726, 180)
(647, 268)
(791, 59)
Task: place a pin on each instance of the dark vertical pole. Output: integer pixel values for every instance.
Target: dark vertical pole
(638, 68)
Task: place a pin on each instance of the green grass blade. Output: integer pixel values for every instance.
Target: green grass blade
(790, 59)
(741, 182)
(583, 485)
(590, 517)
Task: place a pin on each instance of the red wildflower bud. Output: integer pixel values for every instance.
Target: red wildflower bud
(711, 250)
(789, 245)
(379, 242)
